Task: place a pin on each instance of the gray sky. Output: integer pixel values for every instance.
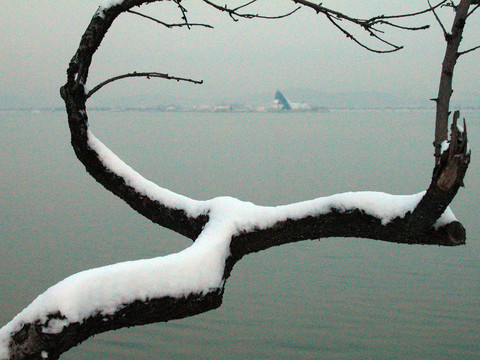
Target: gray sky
(39, 37)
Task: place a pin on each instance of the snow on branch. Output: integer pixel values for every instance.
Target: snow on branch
(139, 292)
(194, 272)
(223, 229)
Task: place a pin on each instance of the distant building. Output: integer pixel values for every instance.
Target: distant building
(281, 102)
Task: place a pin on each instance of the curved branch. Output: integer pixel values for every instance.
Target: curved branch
(148, 75)
(361, 44)
(193, 280)
(50, 338)
(164, 208)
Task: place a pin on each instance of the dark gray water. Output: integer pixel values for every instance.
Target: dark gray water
(333, 299)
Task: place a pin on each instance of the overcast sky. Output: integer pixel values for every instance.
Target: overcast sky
(39, 37)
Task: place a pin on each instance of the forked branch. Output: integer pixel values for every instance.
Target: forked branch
(445, 32)
(371, 25)
(235, 13)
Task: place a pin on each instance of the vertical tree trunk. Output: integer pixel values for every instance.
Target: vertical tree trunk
(445, 87)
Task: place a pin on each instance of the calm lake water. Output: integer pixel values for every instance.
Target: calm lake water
(328, 299)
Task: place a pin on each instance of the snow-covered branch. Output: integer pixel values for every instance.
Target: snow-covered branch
(223, 229)
(192, 281)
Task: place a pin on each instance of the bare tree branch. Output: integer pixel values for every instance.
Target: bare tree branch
(245, 5)
(413, 14)
(148, 75)
(445, 33)
(460, 53)
(183, 11)
(474, 9)
(234, 12)
(166, 24)
(354, 39)
(403, 27)
(369, 25)
(445, 90)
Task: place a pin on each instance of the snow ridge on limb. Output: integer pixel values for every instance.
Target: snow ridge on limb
(160, 289)
(124, 294)
(141, 185)
(75, 96)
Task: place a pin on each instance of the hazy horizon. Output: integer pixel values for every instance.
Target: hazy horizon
(236, 60)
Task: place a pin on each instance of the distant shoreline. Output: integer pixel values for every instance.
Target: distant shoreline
(233, 110)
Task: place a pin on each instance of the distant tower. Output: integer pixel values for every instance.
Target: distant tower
(282, 101)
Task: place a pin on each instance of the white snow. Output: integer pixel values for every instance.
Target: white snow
(146, 187)
(55, 326)
(444, 146)
(197, 269)
(460, 128)
(105, 5)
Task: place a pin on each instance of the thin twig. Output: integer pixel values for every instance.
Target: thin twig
(322, 9)
(148, 75)
(403, 27)
(460, 53)
(234, 12)
(245, 5)
(183, 11)
(445, 32)
(421, 12)
(354, 39)
(166, 24)
(473, 10)
(374, 20)
(369, 25)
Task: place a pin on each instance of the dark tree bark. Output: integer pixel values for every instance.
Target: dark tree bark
(419, 226)
(445, 90)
